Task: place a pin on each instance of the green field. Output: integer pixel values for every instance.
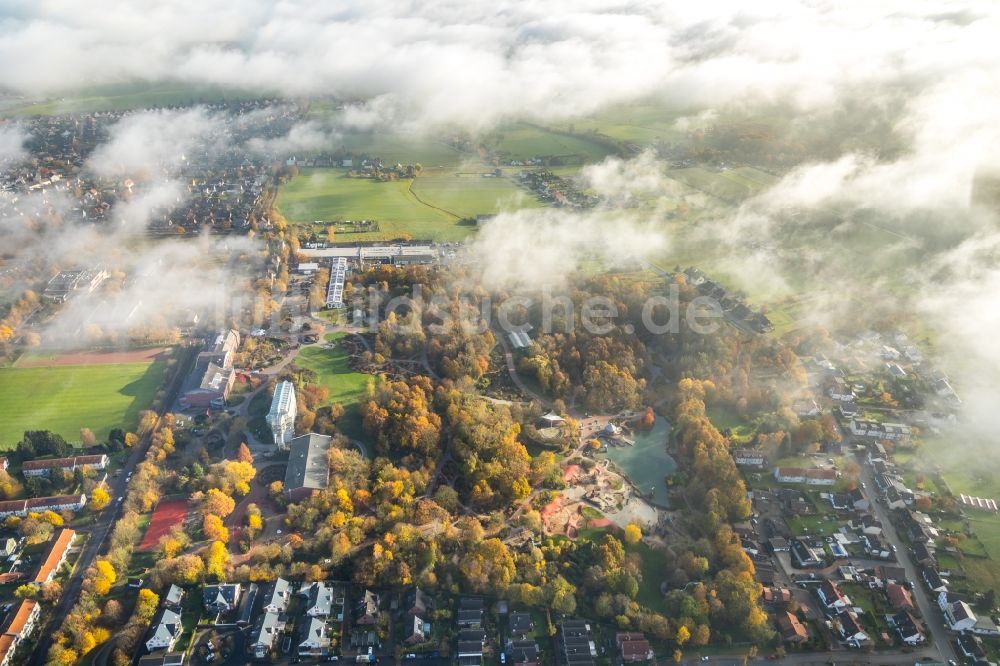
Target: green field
(523, 142)
(732, 185)
(120, 97)
(346, 386)
(64, 399)
(431, 210)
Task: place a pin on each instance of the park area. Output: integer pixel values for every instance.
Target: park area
(167, 514)
(347, 387)
(429, 207)
(66, 392)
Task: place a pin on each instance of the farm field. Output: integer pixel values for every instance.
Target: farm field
(65, 398)
(428, 208)
(121, 97)
(346, 386)
(470, 194)
(732, 185)
(523, 141)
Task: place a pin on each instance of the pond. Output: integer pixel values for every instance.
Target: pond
(647, 463)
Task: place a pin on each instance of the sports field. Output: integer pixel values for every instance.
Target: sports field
(347, 387)
(427, 208)
(165, 516)
(46, 393)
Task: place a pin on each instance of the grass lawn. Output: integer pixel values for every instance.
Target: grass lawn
(467, 194)
(654, 570)
(346, 386)
(124, 96)
(523, 142)
(813, 525)
(328, 194)
(64, 399)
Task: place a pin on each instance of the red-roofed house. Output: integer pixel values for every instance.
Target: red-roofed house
(21, 624)
(55, 557)
(899, 597)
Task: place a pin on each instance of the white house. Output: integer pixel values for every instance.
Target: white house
(813, 476)
(281, 417)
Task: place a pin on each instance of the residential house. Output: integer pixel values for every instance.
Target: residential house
(805, 556)
(367, 611)
(276, 596)
(318, 598)
(416, 630)
(247, 609)
(850, 629)
(576, 645)
(521, 625)
(778, 544)
(57, 504)
(831, 597)
(470, 612)
(19, 628)
(923, 554)
(523, 653)
(813, 476)
(470, 643)
(633, 647)
(173, 598)
(418, 602)
(934, 581)
(899, 597)
(971, 646)
(859, 501)
(985, 626)
(266, 632)
(790, 629)
(890, 574)
(221, 598)
(910, 629)
(959, 616)
(67, 465)
(8, 548)
(749, 457)
(55, 556)
(314, 639)
(164, 631)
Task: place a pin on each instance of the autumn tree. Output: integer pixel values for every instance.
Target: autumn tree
(99, 498)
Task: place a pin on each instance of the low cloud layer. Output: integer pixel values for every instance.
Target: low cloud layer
(475, 63)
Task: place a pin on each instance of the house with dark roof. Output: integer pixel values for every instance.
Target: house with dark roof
(221, 598)
(523, 653)
(575, 643)
(470, 612)
(971, 646)
(934, 581)
(923, 554)
(471, 643)
(418, 602)
(308, 466)
(910, 629)
(790, 629)
(959, 616)
(521, 625)
(831, 597)
(850, 629)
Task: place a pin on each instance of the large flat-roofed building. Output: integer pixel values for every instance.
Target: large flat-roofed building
(281, 417)
(69, 283)
(308, 466)
(335, 290)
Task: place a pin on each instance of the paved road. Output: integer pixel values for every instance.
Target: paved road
(98, 534)
(931, 613)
